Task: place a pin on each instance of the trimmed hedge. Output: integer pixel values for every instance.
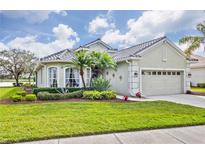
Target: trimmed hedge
(59, 96)
(201, 85)
(54, 90)
(96, 95)
(21, 93)
(16, 98)
(30, 97)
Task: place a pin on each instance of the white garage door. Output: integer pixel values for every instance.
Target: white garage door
(162, 82)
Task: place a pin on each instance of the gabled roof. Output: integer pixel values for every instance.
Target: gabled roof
(136, 49)
(67, 55)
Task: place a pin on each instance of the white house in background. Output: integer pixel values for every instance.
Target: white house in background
(156, 67)
(197, 70)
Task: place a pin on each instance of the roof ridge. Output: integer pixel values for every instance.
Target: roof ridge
(160, 38)
(56, 53)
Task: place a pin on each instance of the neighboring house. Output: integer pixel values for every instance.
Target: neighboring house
(197, 70)
(156, 67)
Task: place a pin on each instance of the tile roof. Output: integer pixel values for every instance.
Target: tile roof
(135, 50)
(67, 55)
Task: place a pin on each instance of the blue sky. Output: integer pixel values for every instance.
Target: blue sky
(45, 32)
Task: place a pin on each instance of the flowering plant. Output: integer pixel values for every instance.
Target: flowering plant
(125, 98)
(138, 94)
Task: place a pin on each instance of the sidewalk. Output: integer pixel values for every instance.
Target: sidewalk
(180, 135)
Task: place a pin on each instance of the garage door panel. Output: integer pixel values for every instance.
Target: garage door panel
(170, 83)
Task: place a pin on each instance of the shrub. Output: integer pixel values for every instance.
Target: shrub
(100, 84)
(30, 97)
(21, 93)
(16, 98)
(108, 94)
(94, 95)
(201, 85)
(29, 85)
(188, 92)
(49, 96)
(75, 94)
(54, 90)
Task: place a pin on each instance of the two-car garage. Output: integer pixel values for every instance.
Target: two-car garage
(162, 82)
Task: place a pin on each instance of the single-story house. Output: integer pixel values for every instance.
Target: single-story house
(197, 70)
(155, 67)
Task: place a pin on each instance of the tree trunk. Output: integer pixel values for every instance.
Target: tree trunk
(17, 81)
(29, 78)
(82, 77)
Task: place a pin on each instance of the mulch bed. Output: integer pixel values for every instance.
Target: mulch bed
(8, 101)
(197, 93)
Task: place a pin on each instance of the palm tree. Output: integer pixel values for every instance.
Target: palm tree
(82, 60)
(102, 61)
(194, 41)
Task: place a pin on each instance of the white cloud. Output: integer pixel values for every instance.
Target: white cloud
(97, 23)
(65, 36)
(101, 23)
(3, 46)
(31, 16)
(152, 24)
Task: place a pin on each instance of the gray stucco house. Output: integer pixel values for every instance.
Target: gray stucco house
(156, 67)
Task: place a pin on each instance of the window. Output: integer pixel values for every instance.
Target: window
(159, 73)
(143, 73)
(154, 73)
(149, 73)
(52, 77)
(107, 73)
(113, 75)
(178, 73)
(169, 73)
(164, 73)
(173, 73)
(72, 77)
(88, 77)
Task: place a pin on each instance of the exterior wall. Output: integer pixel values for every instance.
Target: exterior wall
(97, 47)
(163, 57)
(197, 76)
(118, 78)
(42, 74)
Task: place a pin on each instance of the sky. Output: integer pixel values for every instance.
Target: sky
(46, 32)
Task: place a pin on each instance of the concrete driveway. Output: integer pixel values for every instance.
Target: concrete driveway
(193, 100)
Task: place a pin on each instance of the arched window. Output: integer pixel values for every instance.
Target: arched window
(52, 77)
(72, 77)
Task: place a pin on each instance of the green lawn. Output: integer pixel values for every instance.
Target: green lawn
(6, 92)
(26, 122)
(197, 89)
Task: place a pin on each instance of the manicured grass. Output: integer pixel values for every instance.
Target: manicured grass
(6, 92)
(197, 89)
(24, 122)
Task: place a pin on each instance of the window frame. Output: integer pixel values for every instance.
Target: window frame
(78, 78)
(48, 76)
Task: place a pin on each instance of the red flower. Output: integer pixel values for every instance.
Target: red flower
(125, 98)
(138, 94)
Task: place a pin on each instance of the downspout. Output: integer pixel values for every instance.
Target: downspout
(130, 78)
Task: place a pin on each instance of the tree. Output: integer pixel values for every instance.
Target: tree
(30, 65)
(14, 61)
(82, 60)
(194, 42)
(101, 62)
